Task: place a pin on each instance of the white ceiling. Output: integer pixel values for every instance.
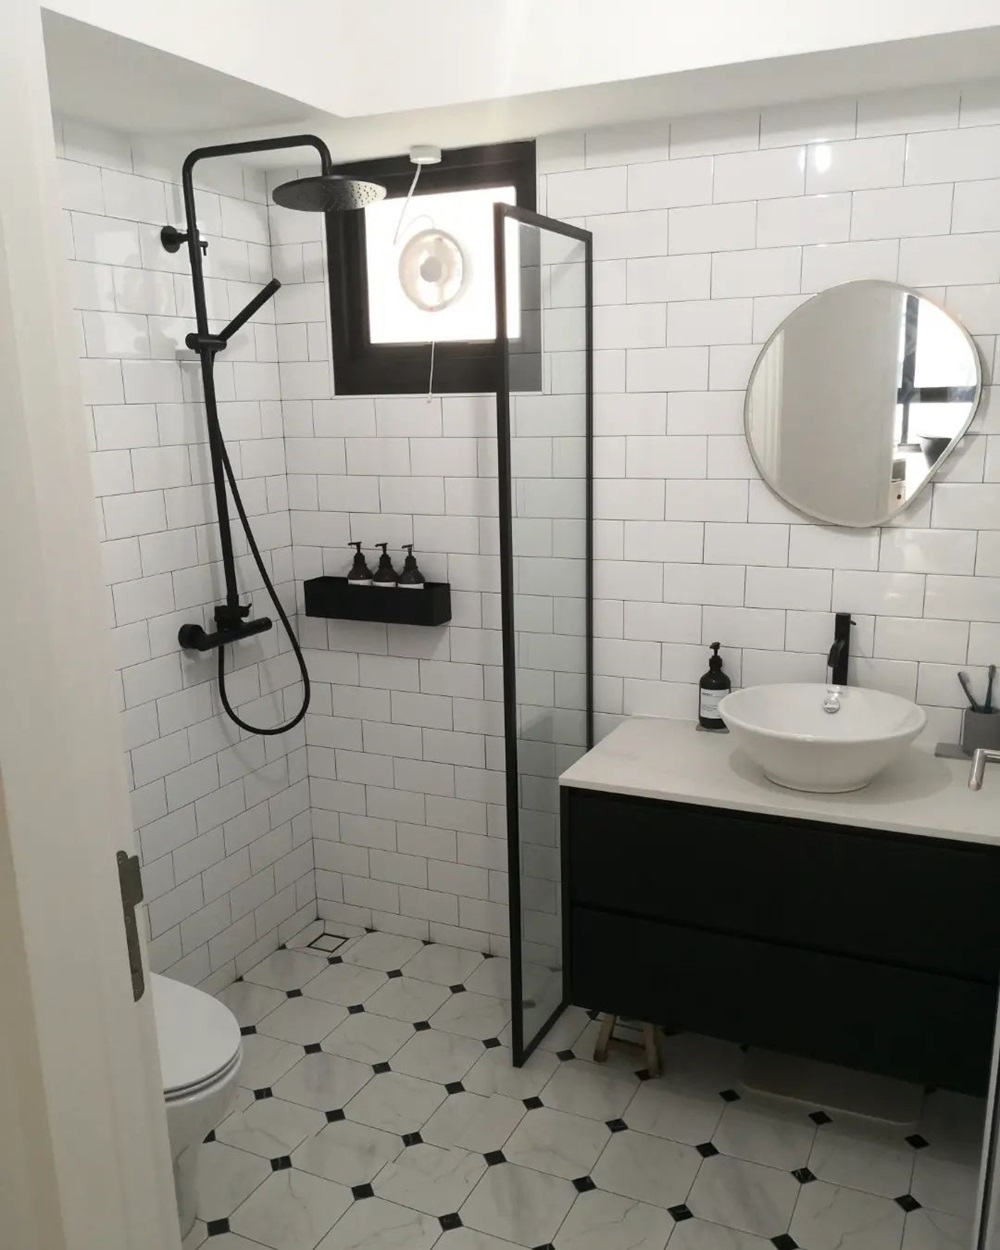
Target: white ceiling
(102, 78)
(126, 85)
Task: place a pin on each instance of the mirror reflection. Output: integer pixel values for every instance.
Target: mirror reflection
(858, 398)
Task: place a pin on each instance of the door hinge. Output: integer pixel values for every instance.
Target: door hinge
(130, 882)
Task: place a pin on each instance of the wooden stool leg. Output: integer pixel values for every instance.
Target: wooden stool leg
(653, 1065)
(604, 1037)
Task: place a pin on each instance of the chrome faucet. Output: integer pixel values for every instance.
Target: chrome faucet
(980, 758)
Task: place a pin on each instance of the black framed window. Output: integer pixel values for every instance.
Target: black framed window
(366, 362)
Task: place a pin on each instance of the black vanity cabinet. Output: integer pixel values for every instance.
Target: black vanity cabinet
(875, 950)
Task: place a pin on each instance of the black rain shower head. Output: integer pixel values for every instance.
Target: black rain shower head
(327, 193)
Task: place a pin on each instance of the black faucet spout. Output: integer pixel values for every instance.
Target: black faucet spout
(840, 653)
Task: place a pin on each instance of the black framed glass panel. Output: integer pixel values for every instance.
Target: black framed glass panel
(545, 427)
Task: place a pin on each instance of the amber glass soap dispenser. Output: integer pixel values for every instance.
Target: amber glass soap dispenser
(712, 689)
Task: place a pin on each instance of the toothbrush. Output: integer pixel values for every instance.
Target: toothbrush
(988, 705)
(965, 683)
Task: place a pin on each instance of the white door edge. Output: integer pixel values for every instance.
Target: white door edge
(79, 1072)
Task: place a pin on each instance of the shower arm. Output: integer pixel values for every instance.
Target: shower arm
(229, 618)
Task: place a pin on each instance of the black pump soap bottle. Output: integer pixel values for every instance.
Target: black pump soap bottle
(411, 577)
(360, 574)
(712, 688)
(385, 575)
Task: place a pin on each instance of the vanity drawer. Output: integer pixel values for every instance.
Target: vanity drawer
(916, 902)
(913, 1025)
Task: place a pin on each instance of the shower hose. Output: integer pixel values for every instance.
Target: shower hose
(268, 586)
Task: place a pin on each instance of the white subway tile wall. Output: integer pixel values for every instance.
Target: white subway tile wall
(223, 820)
(707, 232)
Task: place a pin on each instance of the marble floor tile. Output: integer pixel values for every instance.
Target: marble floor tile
(292, 1210)
(287, 970)
(368, 1038)
(226, 1177)
(406, 999)
(470, 1239)
(945, 1184)
(432, 1179)
(832, 1217)
(345, 984)
(649, 1169)
(933, 1230)
(491, 977)
(557, 1142)
(494, 1073)
(600, 1221)
(863, 1155)
(396, 1103)
(444, 965)
(700, 1235)
(472, 1015)
(747, 1196)
(265, 1059)
(692, 1059)
(382, 951)
(518, 1205)
(589, 1089)
(196, 1236)
(566, 1030)
(350, 1153)
(230, 1241)
(629, 1143)
(435, 1056)
(679, 1113)
(250, 1003)
(769, 1133)
(953, 1123)
(374, 1224)
(302, 1020)
(323, 1081)
(474, 1122)
(270, 1128)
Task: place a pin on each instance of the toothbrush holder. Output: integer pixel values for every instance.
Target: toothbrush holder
(980, 729)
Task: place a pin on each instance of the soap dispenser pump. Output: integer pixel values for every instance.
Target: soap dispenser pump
(385, 575)
(411, 577)
(712, 689)
(360, 574)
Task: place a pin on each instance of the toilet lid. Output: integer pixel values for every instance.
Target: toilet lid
(198, 1035)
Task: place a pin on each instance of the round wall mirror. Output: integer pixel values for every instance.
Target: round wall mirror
(858, 399)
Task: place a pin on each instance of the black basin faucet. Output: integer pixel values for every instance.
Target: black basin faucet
(840, 653)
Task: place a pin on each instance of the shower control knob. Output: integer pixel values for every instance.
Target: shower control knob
(172, 238)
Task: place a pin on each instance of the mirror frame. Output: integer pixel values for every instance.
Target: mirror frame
(928, 480)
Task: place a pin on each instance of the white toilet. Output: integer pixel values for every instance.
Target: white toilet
(200, 1054)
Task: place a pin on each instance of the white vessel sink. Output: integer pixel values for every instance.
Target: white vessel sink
(785, 729)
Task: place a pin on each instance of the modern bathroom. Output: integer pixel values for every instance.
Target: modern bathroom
(495, 753)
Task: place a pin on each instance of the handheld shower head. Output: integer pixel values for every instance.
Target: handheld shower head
(327, 193)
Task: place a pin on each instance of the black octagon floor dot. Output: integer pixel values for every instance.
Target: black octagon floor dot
(820, 1117)
(803, 1176)
(533, 1103)
(908, 1202)
(491, 1042)
(263, 1093)
(583, 1184)
(281, 1164)
(729, 1095)
(379, 1068)
(333, 1116)
(616, 1126)
(680, 1212)
(494, 1157)
(362, 1191)
(412, 1139)
(293, 993)
(917, 1142)
(313, 1048)
(356, 1008)
(453, 1220)
(784, 1242)
(454, 1087)
(396, 972)
(706, 1150)
(215, 1228)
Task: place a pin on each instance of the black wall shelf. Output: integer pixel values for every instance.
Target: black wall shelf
(334, 597)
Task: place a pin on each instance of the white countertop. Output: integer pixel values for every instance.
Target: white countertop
(654, 758)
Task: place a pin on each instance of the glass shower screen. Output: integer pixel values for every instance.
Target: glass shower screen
(544, 424)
